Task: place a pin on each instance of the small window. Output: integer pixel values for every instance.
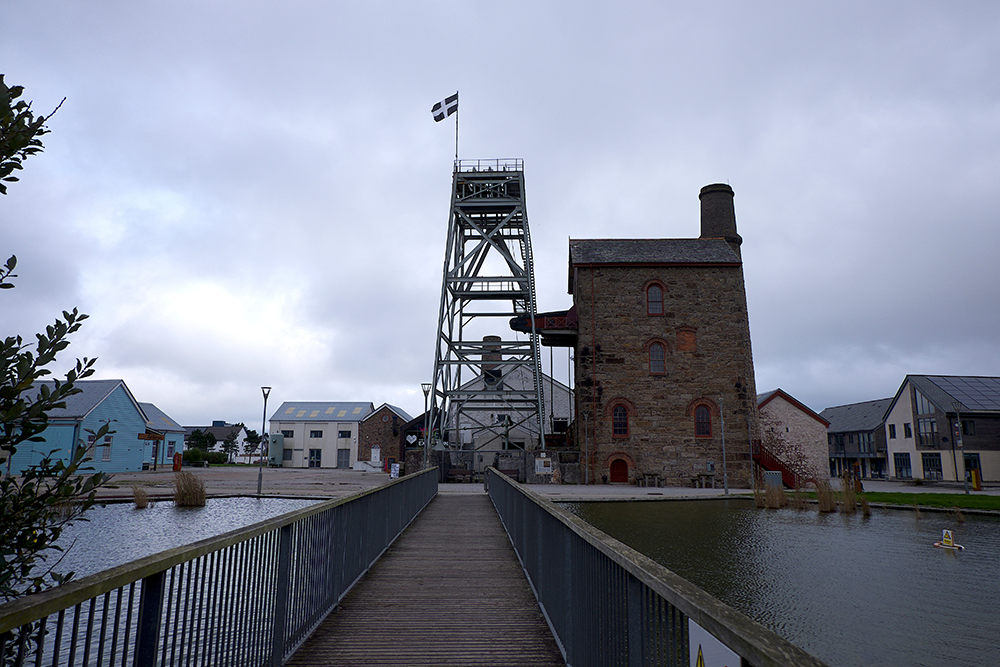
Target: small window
(288, 434)
(286, 455)
(619, 422)
(171, 448)
(702, 422)
(657, 354)
(315, 434)
(344, 434)
(654, 300)
(892, 431)
(907, 431)
(968, 427)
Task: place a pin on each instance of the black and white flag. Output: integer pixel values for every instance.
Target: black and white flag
(445, 108)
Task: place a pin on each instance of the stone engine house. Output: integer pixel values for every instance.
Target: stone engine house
(663, 368)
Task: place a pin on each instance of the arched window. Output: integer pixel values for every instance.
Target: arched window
(702, 422)
(654, 299)
(657, 354)
(619, 422)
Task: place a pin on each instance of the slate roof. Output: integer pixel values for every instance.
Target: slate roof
(322, 411)
(158, 420)
(400, 412)
(765, 398)
(651, 251)
(975, 393)
(866, 416)
(92, 393)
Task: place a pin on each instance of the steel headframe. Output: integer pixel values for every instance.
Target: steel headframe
(488, 279)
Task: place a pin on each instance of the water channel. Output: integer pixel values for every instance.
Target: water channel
(848, 589)
(119, 533)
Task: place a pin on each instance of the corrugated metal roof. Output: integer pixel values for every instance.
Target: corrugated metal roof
(866, 416)
(322, 411)
(651, 251)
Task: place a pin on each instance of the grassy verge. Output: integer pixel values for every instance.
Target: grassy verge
(946, 500)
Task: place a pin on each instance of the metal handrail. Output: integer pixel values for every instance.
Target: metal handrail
(257, 592)
(608, 604)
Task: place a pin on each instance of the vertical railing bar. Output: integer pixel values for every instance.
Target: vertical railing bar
(167, 608)
(104, 629)
(57, 645)
(117, 629)
(244, 600)
(40, 651)
(211, 605)
(183, 628)
(75, 631)
(128, 626)
(228, 595)
(198, 608)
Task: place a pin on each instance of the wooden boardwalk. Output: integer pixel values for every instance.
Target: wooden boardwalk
(450, 591)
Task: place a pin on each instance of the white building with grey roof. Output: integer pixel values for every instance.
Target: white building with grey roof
(316, 434)
(945, 428)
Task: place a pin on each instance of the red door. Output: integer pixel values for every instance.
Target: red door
(619, 471)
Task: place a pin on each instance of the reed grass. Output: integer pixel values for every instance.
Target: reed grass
(775, 498)
(189, 490)
(140, 497)
(824, 497)
(848, 496)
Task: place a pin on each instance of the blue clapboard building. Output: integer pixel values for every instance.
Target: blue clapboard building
(100, 402)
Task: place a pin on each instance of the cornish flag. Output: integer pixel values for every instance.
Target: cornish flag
(445, 108)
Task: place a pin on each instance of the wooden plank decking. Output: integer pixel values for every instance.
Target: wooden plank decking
(449, 592)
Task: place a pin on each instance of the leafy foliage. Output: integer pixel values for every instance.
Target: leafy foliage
(203, 440)
(251, 443)
(231, 444)
(37, 505)
(20, 132)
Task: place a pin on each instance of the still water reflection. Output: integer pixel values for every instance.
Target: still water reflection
(119, 533)
(848, 589)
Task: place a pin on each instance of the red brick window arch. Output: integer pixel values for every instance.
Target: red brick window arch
(702, 422)
(702, 411)
(619, 421)
(654, 297)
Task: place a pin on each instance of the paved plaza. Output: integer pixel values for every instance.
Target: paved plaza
(337, 483)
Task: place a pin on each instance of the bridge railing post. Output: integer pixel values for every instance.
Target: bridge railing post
(148, 623)
(281, 595)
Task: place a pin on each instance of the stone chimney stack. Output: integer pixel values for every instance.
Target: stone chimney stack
(718, 216)
(491, 352)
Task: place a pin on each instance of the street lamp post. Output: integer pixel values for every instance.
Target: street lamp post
(426, 386)
(263, 439)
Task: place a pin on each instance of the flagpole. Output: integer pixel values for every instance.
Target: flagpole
(456, 132)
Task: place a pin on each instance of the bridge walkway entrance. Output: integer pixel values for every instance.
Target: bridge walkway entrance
(450, 591)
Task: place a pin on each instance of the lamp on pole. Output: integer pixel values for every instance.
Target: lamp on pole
(426, 386)
(263, 438)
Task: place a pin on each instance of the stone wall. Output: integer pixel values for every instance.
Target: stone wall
(799, 430)
(382, 429)
(705, 331)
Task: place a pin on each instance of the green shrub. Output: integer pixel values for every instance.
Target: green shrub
(193, 455)
(216, 458)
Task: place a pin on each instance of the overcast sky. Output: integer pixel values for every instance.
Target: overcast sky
(254, 193)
